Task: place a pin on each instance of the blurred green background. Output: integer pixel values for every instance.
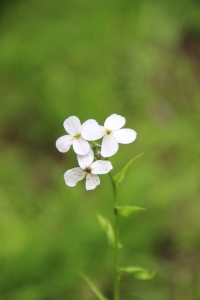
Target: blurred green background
(139, 59)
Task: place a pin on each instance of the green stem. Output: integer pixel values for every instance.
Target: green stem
(116, 246)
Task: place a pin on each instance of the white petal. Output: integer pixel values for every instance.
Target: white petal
(91, 130)
(114, 122)
(101, 167)
(85, 160)
(81, 146)
(109, 146)
(125, 136)
(72, 125)
(92, 181)
(64, 143)
(73, 176)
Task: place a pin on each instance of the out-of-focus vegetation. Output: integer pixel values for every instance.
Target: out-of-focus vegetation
(140, 59)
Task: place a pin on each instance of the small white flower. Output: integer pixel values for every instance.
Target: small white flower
(89, 169)
(111, 132)
(73, 126)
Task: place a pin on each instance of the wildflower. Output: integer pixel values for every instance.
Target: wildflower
(111, 132)
(89, 169)
(73, 126)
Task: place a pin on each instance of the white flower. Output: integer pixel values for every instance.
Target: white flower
(73, 126)
(89, 169)
(111, 133)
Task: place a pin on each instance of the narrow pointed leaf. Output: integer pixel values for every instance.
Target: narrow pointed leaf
(119, 177)
(137, 272)
(93, 287)
(107, 227)
(126, 211)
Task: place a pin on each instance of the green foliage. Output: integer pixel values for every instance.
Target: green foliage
(137, 272)
(126, 211)
(93, 287)
(107, 227)
(119, 177)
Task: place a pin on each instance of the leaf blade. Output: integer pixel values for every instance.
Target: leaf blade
(107, 227)
(119, 177)
(126, 211)
(137, 272)
(95, 290)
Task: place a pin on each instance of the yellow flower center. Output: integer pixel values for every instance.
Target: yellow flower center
(87, 170)
(77, 136)
(108, 131)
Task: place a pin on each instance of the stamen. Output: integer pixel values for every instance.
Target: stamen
(77, 136)
(108, 131)
(87, 170)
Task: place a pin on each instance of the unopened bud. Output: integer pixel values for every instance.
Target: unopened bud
(98, 154)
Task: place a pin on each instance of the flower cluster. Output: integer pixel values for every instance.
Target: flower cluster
(90, 130)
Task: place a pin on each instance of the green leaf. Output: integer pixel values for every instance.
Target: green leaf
(137, 272)
(126, 211)
(107, 227)
(119, 177)
(93, 287)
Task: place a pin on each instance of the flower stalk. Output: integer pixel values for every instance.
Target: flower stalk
(116, 294)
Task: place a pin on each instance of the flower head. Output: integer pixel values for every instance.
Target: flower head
(73, 126)
(89, 169)
(111, 132)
